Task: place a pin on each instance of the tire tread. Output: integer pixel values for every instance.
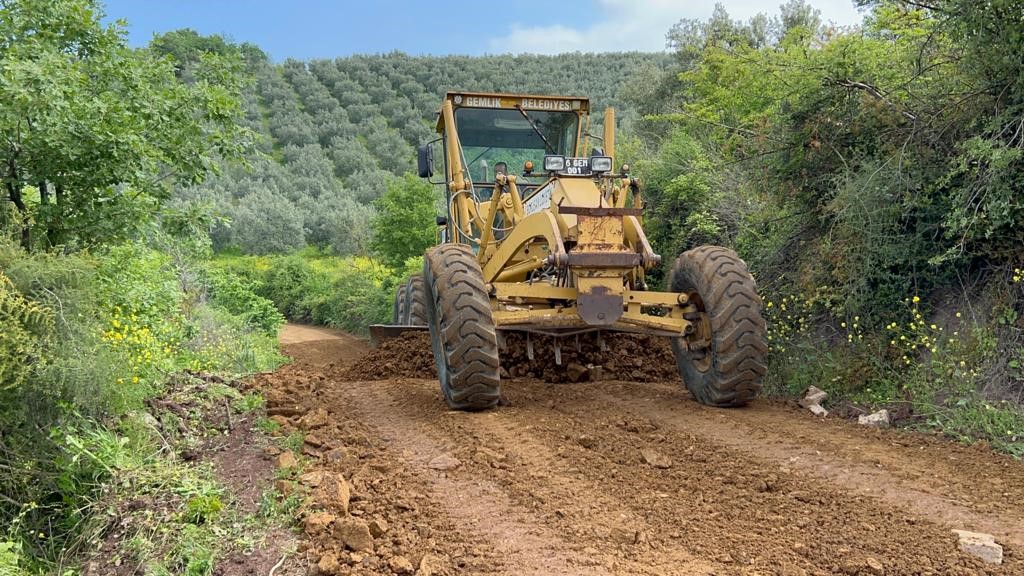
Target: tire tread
(458, 311)
(738, 331)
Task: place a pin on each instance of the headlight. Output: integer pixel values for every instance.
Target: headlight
(554, 163)
(601, 164)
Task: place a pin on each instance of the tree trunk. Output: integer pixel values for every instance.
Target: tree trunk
(44, 203)
(14, 192)
(26, 226)
(55, 232)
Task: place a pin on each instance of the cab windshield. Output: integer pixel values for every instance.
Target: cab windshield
(491, 136)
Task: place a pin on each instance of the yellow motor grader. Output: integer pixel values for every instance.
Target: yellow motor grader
(543, 234)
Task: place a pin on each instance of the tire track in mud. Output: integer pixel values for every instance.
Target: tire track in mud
(514, 539)
(576, 464)
(941, 481)
(508, 474)
(747, 510)
(558, 482)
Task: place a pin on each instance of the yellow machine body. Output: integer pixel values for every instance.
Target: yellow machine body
(562, 251)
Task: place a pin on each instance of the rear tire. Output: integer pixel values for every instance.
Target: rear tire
(398, 314)
(729, 371)
(461, 328)
(416, 302)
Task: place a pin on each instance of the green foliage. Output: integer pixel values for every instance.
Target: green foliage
(404, 225)
(27, 325)
(680, 187)
(93, 336)
(237, 296)
(337, 134)
(100, 129)
(10, 558)
(203, 508)
(346, 293)
(855, 170)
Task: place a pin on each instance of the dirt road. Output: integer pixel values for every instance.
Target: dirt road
(623, 478)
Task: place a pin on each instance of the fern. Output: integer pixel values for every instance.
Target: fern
(27, 328)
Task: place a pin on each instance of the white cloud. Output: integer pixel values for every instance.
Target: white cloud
(626, 25)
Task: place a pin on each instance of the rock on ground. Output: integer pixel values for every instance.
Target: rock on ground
(813, 396)
(444, 462)
(431, 565)
(400, 565)
(817, 410)
(378, 527)
(317, 522)
(333, 492)
(314, 419)
(981, 545)
(328, 564)
(354, 533)
(880, 419)
(286, 460)
(655, 458)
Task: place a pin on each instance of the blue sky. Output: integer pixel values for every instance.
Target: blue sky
(324, 29)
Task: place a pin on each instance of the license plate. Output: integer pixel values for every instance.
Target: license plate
(577, 166)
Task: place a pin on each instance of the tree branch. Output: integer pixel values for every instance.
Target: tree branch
(874, 93)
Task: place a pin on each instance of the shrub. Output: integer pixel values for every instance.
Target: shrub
(237, 296)
(86, 339)
(345, 293)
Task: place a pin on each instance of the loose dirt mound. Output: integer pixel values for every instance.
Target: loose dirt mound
(362, 511)
(408, 356)
(633, 357)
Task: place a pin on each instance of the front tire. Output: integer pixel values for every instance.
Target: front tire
(462, 329)
(729, 371)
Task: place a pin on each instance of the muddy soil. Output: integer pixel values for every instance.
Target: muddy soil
(616, 477)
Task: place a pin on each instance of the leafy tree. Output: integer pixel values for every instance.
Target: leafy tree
(404, 225)
(102, 131)
(187, 47)
(265, 224)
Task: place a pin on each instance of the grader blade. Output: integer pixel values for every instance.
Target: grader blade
(381, 332)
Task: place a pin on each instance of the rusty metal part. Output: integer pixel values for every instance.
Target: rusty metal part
(603, 259)
(379, 332)
(599, 306)
(599, 211)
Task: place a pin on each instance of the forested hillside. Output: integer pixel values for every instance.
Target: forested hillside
(334, 132)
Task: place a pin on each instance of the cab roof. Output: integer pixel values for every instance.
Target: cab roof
(511, 101)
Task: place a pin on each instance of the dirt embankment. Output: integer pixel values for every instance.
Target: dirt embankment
(611, 477)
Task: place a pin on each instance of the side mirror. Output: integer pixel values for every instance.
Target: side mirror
(441, 220)
(425, 160)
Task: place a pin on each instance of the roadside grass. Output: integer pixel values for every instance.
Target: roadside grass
(160, 509)
(932, 373)
(348, 293)
(95, 440)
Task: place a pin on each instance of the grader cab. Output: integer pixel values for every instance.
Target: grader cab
(543, 234)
